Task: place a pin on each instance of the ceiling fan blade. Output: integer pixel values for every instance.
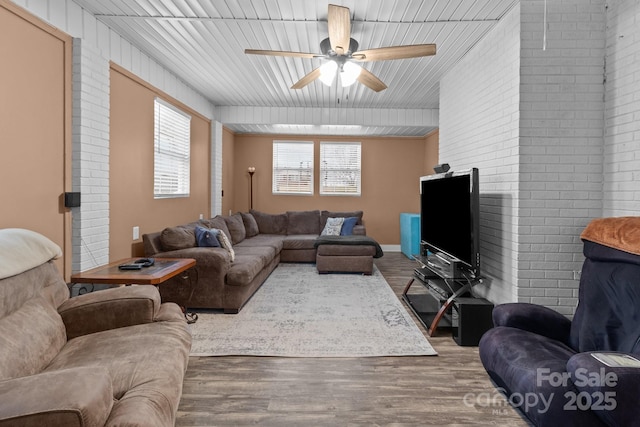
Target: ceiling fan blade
(339, 23)
(307, 79)
(395, 52)
(371, 81)
(280, 53)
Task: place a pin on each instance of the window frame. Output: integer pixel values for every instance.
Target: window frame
(177, 159)
(324, 170)
(276, 169)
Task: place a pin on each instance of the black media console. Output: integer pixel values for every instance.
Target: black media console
(444, 299)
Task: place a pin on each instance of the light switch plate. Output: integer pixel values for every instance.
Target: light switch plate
(136, 232)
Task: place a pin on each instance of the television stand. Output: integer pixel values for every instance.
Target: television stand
(432, 302)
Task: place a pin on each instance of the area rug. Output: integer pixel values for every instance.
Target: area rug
(300, 313)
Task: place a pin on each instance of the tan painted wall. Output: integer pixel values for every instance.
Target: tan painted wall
(131, 167)
(35, 127)
(431, 152)
(227, 170)
(391, 168)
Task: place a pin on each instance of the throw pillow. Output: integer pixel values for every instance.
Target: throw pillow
(333, 227)
(176, 238)
(226, 243)
(347, 226)
(236, 228)
(250, 224)
(207, 237)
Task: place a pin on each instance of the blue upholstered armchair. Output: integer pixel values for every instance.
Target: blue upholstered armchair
(583, 372)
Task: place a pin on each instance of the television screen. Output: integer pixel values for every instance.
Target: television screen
(449, 216)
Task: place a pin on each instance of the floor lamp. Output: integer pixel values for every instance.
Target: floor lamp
(251, 171)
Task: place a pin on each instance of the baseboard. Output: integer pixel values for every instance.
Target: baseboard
(390, 248)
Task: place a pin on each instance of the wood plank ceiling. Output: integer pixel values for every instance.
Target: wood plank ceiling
(203, 42)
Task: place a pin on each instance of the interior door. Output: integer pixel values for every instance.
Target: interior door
(35, 122)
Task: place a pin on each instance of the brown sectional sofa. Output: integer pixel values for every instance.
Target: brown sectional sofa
(260, 242)
(110, 358)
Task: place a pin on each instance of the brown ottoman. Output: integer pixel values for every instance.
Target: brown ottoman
(345, 258)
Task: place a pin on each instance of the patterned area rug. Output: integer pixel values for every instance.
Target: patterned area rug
(299, 313)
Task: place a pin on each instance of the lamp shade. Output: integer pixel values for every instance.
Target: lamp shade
(328, 72)
(349, 73)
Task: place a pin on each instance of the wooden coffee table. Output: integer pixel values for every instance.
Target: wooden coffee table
(162, 270)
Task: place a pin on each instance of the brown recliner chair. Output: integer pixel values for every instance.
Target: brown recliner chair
(113, 357)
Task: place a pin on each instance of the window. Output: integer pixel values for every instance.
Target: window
(171, 149)
(340, 168)
(292, 167)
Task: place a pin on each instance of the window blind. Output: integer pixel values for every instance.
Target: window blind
(292, 167)
(171, 148)
(340, 168)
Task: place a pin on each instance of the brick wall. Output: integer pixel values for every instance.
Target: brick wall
(622, 110)
(479, 128)
(532, 122)
(561, 139)
(90, 165)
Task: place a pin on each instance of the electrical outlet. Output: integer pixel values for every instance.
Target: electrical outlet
(136, 232)
(576, 275)
(201, 216)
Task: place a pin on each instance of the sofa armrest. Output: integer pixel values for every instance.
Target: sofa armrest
(359, 230)
(109, 309)
(611, 392)
(534, 318)
(69, 397)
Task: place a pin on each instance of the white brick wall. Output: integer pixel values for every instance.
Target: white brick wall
(561, 139)
(479, 128)
(532, 121)
(622, 110)
(90, 165)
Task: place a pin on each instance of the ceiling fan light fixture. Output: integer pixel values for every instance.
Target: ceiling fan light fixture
(328, 72)
(349, 73)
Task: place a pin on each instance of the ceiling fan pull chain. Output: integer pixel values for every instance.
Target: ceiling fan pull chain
(544, 30)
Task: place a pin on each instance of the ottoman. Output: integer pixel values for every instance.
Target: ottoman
(345, 255)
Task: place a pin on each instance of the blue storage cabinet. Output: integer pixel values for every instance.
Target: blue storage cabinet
(410, 234)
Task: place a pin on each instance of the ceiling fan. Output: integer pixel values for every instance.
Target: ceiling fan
(341, 51)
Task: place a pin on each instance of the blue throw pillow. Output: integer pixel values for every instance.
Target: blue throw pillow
(347, 226)
(207, 237)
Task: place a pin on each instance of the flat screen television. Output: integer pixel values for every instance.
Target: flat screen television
(450, 219)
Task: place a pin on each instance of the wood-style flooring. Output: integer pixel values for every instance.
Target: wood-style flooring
(450, 389)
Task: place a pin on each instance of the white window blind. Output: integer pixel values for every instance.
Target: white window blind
(171, 148)
(292, 167)
(340, 168)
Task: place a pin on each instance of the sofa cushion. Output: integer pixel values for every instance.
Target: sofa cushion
(300, 241)
(236, 228)
(31, 338)
(176, 238)
(270, 223)
(250, 224)
(303, 222)
(271, 240)
(250, 261)
(328, 214)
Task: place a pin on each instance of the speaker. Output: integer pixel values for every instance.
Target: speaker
(470, 319)
(72, 199)
(441, 168)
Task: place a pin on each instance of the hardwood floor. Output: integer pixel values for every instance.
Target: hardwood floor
(450, 389)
